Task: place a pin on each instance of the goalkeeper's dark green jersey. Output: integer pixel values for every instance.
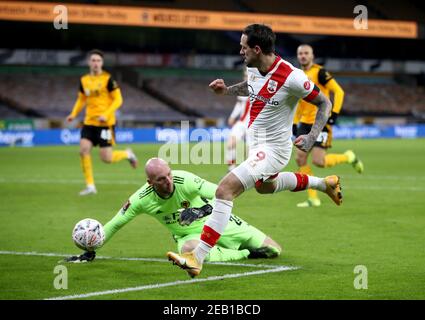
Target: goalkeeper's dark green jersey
(189, 191)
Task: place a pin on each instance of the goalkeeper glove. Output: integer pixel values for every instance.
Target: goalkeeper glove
(85, 257)
(191, 214)
(332, 118)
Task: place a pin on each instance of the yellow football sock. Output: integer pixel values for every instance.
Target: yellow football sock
(334, 159)
(119, 155)
(86, 165)
(312, 194)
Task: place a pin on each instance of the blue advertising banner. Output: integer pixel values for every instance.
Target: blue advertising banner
(185, 134)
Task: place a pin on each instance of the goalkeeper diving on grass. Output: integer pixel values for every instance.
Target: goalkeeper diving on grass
(181, 201)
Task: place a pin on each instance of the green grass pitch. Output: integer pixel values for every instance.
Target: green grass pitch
(380, 225)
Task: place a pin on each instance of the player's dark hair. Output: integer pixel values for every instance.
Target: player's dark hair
(95, 51)
(262, 36)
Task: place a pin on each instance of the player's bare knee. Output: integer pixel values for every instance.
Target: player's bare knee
(223, 192)
(105, 158)
(229, 188)
(319, 162)
(301, 159)
(84, 151)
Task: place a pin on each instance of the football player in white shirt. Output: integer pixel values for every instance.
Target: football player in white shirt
(274, 87)
(238, 121)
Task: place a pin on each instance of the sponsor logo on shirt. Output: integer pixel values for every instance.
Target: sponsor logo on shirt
(253, 97)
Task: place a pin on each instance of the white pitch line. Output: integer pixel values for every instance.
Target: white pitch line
(52, 254)
(174, 283)
(270, 269)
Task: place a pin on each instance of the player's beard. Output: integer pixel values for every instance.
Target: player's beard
(305, 63)
(251, 63)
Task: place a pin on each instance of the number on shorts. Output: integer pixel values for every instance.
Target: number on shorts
(106, 134)
(323, 137)
(259, 156)
(236, 220)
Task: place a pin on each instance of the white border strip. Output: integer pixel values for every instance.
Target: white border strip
(174, 283)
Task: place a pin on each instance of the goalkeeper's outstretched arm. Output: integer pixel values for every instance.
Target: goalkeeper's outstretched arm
(116, 223)
(124, 215)
(128, 212)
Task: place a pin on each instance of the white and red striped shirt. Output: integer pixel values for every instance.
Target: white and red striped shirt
(273, 98)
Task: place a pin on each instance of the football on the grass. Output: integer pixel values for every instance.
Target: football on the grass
(88, 234)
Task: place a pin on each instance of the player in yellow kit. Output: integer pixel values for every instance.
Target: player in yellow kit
(305, 117)
(101, 96)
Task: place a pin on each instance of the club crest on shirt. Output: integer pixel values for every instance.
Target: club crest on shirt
(185, 204)
(271, 86)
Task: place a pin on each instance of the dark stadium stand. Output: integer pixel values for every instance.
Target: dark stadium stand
(174, 98)
(9, 113)
(195, 95)
(384, 99)
(164, 95)
(54, 96)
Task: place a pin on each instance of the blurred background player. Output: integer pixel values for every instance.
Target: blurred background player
(304, 119)
(238, 121)
(102, 97)
(180, 201)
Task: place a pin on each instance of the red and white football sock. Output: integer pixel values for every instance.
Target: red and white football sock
(316, 183)
(298, 182)
(213, 228)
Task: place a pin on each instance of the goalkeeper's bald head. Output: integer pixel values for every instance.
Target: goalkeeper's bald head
(155, 167)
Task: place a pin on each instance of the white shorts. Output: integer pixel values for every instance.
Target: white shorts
(262, 165)
(238, 130)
